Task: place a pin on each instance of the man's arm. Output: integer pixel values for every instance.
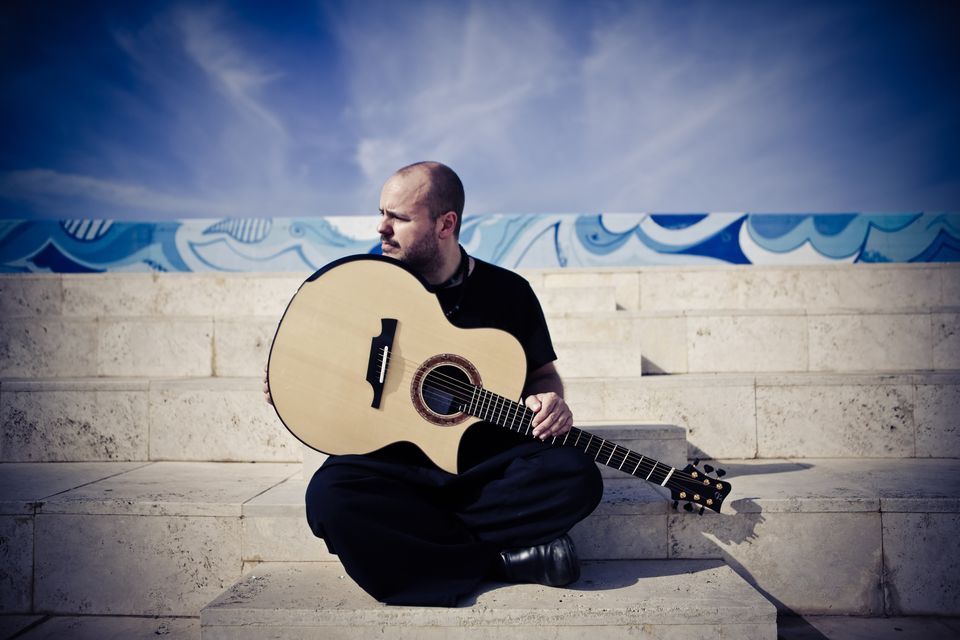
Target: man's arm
(543, 395)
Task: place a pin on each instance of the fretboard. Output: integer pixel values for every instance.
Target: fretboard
(516, 417)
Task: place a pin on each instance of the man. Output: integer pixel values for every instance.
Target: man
(410, 533)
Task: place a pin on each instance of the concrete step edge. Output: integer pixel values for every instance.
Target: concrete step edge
(784, 378)
(610, 594)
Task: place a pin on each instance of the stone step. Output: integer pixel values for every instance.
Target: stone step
(788, 627)
(763, 341)
(195, 347)
(107, 628)
(124, 538)
(201, 295)
(598, 360)
(86, 419)
(838, 537)
(895, 415)
(693, 599)
(817, 536)
(858, 537)
(861, 287)
(589, 343)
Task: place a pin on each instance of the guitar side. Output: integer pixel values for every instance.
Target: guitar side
(320, 355)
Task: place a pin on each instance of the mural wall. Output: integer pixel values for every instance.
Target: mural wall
(514, 241)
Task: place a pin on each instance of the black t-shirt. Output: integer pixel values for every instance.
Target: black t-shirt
(497, 298)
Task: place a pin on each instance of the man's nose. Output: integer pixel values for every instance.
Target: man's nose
(384, 228)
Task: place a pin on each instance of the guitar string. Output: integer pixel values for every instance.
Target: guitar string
(453, 385)
(605, 447)
(640, 462)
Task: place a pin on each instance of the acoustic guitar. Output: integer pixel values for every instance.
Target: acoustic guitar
(364, 357)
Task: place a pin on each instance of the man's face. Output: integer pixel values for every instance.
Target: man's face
(406, 229)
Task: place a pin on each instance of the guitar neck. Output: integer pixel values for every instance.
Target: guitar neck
(516, 417)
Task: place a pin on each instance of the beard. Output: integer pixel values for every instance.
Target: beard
(422, 255)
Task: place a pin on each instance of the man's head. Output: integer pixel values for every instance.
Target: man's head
(444, 192)
(421, 207)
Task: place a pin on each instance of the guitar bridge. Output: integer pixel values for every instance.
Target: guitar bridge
(380, 348)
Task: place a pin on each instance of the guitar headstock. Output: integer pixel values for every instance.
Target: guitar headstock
(695, 486)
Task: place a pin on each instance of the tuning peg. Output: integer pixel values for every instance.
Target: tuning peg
(675, 503)
(688, 507)
(701, 511)
(696, 461)
(708, 468)
(721, 473)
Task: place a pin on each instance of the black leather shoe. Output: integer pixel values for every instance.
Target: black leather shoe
(554, 563)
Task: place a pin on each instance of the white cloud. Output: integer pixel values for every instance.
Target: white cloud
(238, 76)
(539, 106)
(454, 87)
(77, 192)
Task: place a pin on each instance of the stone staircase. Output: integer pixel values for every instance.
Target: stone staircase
(143, 475)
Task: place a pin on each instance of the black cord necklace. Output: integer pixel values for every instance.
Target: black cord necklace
(459, 275)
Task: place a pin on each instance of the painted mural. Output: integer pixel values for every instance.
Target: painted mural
(513, 241)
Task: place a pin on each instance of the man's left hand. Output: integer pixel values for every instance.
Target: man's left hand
(552, 417)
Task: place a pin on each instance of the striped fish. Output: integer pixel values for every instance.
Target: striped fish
(245, 230)
(86, 230)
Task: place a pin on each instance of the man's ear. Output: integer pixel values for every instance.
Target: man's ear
(448, 224)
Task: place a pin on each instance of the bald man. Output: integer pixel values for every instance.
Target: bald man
(410, 533)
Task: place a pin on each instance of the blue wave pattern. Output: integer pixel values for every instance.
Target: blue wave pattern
(514, 241)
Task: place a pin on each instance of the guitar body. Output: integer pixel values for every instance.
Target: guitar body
(321, 358)
(364, 357)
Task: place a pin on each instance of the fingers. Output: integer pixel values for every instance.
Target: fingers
(552, 416)
(266, 387)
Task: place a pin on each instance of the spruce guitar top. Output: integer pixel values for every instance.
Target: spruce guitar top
(364, 357)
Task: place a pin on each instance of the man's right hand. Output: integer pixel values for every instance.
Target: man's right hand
(266, 387)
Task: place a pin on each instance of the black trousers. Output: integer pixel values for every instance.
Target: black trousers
(410, 533)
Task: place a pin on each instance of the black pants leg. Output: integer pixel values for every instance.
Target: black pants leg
(392, 538)
(412, 534)
(537, 497)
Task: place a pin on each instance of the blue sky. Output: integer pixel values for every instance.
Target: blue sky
(159, 110)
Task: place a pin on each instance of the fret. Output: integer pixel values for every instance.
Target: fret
(471, 407)
(612, 451)
(485, 405)
(508, 423)
(664, 483)
(587, 448)
(651, 470)
(634, 472)
(496, 409)
(579, 433)
(625, 454)
(565, 438)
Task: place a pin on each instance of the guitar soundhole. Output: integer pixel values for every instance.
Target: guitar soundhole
(442, 387)
(445, 390)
